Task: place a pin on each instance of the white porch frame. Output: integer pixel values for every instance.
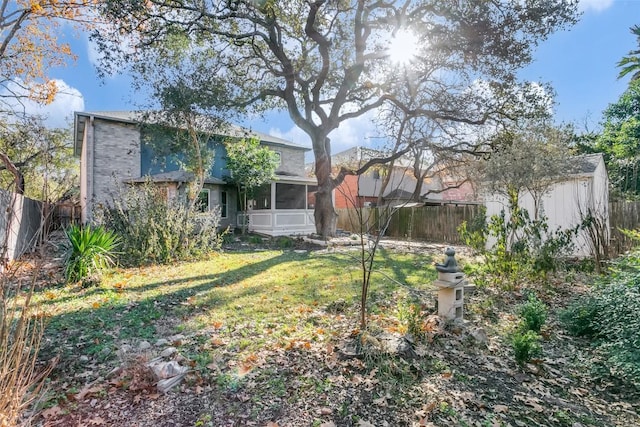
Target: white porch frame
(282, 222)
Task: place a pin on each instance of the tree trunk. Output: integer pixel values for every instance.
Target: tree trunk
(325, 215)
(18, 177)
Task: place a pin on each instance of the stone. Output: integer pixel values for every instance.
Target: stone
(144, 345)
(83, 359)
(480, 336)
(161, 342)
(164, 370)
(124, 350)
(168, 352)
(395, 344)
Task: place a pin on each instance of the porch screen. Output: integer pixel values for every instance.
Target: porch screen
(290, 196)
(262, 197)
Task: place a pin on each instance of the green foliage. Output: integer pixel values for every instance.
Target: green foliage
(411, 320)
(533, 313)
(89, 251)
(608, 316)
(619, 142)
(251, 165)
(155, 230)
(474, 233)
(43, 156)
(526, 346)
(630, 64)
(523, 248)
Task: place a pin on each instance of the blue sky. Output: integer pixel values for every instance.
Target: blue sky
(579, 63)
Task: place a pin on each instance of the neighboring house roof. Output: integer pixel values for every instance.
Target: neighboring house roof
(136, 117)
(357, 156)
(174, 176)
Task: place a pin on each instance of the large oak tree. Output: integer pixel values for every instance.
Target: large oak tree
(327, 61)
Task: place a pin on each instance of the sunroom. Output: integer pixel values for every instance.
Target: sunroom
(283, 207)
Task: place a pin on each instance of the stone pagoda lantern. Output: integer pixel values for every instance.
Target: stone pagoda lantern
(451, 282)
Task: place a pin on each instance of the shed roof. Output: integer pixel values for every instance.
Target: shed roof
(585, 164)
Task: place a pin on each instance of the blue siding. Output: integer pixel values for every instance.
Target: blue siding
(152, 163)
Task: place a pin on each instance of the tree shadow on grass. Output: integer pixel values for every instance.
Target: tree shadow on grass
(92, 331)
(402, 268)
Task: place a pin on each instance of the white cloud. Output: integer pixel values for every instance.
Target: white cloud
(594, 5)
(57, 114)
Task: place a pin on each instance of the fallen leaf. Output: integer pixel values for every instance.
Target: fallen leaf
(52, 412)
(97, 421)
(325, 410)
(500, 409)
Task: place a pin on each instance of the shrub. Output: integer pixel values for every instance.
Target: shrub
(88, 252)
(609, 317)
(155, 230)
(526, 346)
(522, 247)
(533, 313)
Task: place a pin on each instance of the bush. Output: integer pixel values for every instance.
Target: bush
(526, 346)
(155, 230)
(609, 317)
(523, 247)
(89, 251)
(533, 313)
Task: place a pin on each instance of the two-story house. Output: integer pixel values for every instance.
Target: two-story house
(116, 150)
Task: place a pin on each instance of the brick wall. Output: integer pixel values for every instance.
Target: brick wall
(291, 160)
(116, 157)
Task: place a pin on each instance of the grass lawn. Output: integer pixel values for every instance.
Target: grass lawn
(260, 333)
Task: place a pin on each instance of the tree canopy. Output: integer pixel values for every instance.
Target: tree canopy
(326, 62)
(30, 44)
(619, 141)
(630, 64)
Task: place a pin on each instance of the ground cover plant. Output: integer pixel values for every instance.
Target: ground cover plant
(608, 316)
(261, 329)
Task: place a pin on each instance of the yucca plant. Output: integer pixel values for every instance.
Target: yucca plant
(90, 250)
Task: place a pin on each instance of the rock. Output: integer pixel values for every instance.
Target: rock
(144, 345)
(169, 374)
(175, 338)
(161, 342)
(124, 350)
(480, 336)
(168, 352)
(164, 386)
(395, 344)
(164, 370)
(83, 359)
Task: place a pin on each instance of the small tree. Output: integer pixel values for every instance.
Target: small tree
(251, 165)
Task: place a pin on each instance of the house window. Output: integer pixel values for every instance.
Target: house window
(290, 196)
(223, 204)
(202, 204)
(278, 158)
(375, 173)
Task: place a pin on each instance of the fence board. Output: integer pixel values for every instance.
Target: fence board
(440, 223)
(623, 215)
(427, 223)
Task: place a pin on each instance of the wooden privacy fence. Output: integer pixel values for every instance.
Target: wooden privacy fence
(623, 215)
(21, 224)
(428, 223)
(440, 223)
